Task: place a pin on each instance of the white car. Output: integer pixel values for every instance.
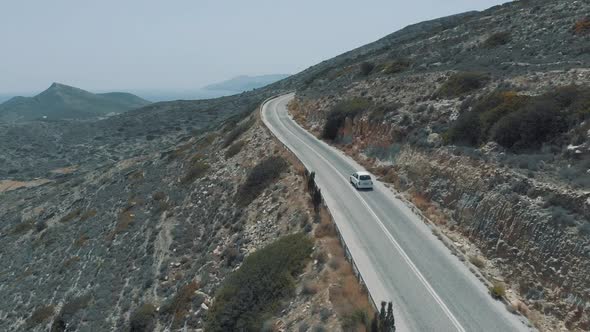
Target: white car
(361, 180)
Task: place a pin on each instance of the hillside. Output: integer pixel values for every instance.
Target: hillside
(245, 83)
(65, 102)
(481, 121)
(135, 222)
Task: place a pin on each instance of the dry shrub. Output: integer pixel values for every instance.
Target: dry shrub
(180, 304)
(326, 226)
(81, 240)
(477, 261)
(349, 298)
(435, 215)
(519, 306)
(71, 261)
(390, 176)
(420, 201)
(582, 26)
(126, 217)
(309, 288)
(40, 315)
(197, 168)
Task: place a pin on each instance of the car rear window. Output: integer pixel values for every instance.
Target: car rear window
(365, 177)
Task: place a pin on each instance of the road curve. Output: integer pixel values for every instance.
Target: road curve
(396, 253)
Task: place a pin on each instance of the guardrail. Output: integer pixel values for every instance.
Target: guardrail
(347, 253)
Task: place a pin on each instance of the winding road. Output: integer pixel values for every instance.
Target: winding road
(396, 253)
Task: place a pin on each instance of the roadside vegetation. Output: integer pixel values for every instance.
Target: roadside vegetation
(520, 122)
(256, 288)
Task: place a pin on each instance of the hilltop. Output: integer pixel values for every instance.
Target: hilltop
(61, 101)
(245, 83)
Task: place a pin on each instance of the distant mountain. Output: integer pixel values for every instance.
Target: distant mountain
(245, 83)
(61, 101)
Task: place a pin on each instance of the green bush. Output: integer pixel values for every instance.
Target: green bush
(461, 83)
(255, 289)
(345, 109)
(366, 68)
(529, 127)
(234, 149)
(259, 178)
(497, 39)
(520, 122)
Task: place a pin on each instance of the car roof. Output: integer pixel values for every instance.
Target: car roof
(363, 173)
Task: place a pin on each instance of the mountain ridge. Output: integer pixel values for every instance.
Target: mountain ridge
(245, 82)
(61, 101)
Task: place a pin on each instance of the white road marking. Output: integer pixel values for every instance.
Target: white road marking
(406, 258)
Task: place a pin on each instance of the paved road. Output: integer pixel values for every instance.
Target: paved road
(397, 254)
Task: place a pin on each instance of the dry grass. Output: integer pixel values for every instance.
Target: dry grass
(81, 240)
(420, 201)
(326, 228)
(429, 209)
(349, 299)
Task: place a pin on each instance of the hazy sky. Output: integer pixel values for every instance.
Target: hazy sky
(185, 44)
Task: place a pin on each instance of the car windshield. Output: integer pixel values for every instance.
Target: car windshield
(365, 177)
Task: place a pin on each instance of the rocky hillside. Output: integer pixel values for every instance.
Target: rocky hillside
(134, 223)
(60, 101)
(482, 121)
